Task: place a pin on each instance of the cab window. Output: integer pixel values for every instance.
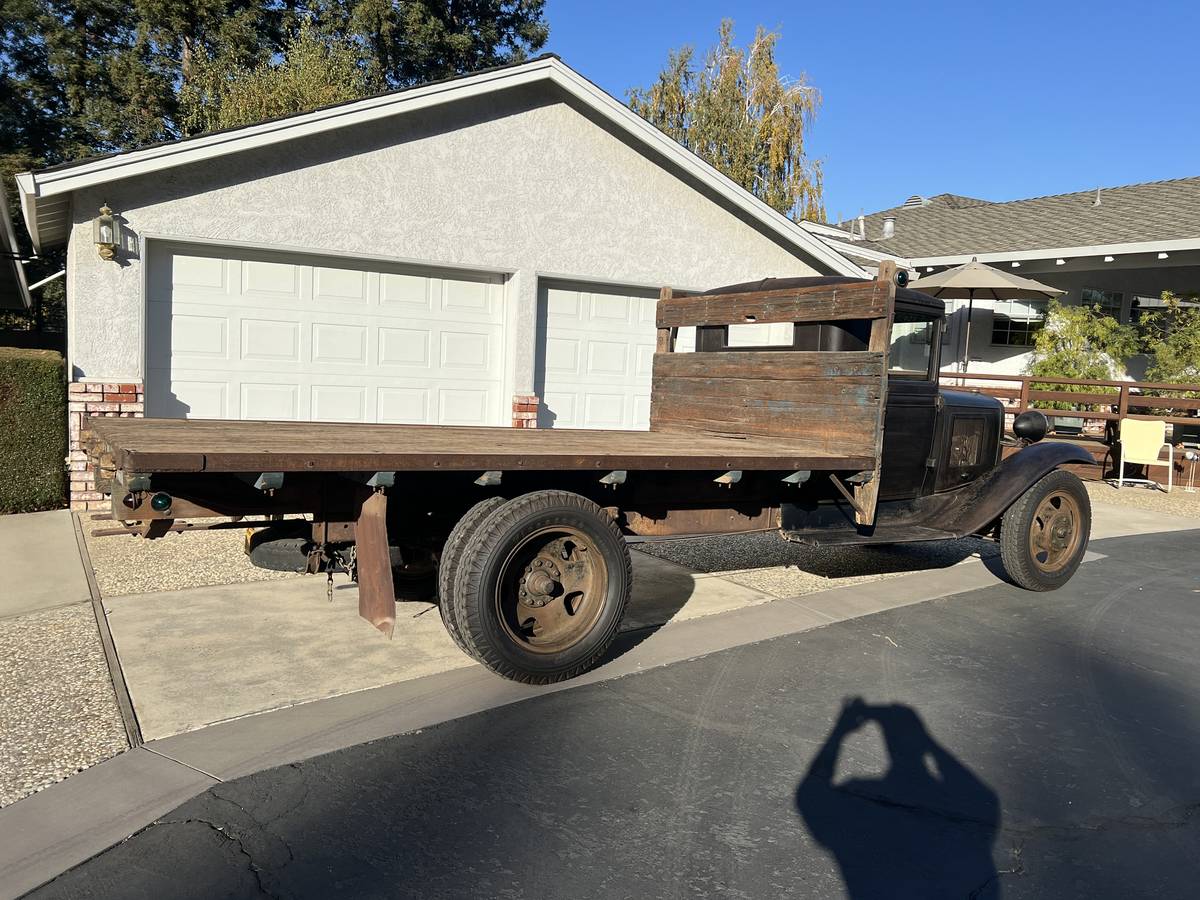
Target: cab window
(913, 340)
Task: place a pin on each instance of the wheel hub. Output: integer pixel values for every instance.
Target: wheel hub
(1053, 536)
(558, 587)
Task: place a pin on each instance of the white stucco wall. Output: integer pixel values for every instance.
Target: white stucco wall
(519, 182)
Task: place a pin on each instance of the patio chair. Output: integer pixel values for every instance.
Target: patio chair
(1142, 442)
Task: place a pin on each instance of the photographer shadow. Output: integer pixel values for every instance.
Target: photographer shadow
(925, 828)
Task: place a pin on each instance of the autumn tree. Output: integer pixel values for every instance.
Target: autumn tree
(736, 112)
(311, 72)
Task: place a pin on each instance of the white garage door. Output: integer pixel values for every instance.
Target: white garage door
(595, 356)
(244, 335)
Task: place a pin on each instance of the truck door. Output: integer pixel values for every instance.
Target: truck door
(912, 404)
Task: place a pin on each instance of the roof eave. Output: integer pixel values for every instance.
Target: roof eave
(9, 250)
(37, 187)
(1124, 249)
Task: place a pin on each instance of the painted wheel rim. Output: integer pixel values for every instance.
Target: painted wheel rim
(551, 590)
(1055, 533)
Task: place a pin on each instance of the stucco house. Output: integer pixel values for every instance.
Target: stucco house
(485, 250)
(1118, 248)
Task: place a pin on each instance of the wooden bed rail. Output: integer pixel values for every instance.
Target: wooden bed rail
(831, 400)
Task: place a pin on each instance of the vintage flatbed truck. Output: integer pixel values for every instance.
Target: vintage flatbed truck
(842, 437)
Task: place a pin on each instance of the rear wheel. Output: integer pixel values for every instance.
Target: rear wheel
(452, 553)
(543, 587)
(1044, 535)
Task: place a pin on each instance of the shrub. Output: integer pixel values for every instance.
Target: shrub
(1078, 342)
(33, 430)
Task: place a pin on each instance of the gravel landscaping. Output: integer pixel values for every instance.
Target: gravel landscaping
(125, 564)
(1177, 503)
(59, 714)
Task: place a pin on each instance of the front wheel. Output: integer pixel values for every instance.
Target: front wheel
(542, 587)
(1044, 535)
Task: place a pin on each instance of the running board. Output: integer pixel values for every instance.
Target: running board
(881, 534)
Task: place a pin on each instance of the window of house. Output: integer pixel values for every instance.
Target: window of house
(1109, 302)
(1015, 323)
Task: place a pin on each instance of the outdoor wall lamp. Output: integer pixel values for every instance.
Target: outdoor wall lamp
(104, 233)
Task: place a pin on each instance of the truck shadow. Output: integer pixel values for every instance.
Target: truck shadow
(924, 828)
(764, 550)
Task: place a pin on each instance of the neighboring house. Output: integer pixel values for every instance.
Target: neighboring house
(481, 251)
(1118, 248)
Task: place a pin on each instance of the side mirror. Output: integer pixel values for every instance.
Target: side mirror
(1031, 426)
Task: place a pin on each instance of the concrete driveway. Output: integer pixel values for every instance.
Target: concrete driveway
(1043, 745)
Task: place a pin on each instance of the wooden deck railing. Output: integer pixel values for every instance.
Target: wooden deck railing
(1109, 401)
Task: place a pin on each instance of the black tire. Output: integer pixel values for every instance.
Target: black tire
(281, 554)
(1044, 535)
(564, 626)
(452, 553)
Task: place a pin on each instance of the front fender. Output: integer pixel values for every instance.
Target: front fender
(987, 499)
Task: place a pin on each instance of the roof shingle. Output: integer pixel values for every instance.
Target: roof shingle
(949, 224)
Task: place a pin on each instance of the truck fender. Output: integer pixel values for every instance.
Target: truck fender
(986, 500)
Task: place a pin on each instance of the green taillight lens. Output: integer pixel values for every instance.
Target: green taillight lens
(160, 502)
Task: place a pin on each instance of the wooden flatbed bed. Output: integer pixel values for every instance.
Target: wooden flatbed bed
(193, 446)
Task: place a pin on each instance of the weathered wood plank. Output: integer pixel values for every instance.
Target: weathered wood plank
(823, 303)
(867, 494)
(772, 365)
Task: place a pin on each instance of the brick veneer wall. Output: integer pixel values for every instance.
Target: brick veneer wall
(525, 410)
(95, 399)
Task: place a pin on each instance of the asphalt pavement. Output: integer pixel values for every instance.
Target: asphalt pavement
(994, 743)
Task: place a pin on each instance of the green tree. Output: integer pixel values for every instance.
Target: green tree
(312, 71)
(411, 41)
(1079, 342)
(1173, 339)
(737, 113)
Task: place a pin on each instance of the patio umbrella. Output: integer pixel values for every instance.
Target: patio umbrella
(974, 279)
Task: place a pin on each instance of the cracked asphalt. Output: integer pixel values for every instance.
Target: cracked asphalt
(995, 743)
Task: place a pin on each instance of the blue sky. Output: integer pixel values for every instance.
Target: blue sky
(999, 101)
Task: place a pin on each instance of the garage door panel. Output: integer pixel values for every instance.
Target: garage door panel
(607, 358)
(286, 338)
(192, 398)
(339, 403)
(341, 285)
(404, 347)
(597, 353)
(278, 281)
(403, 405)
(204, 275)
(464, 406)
(270, 340)
(410, 291)
(465, 351)
(269, 401)
(199, 336)
(339, 344)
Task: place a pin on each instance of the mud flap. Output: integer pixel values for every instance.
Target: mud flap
(376, 593)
